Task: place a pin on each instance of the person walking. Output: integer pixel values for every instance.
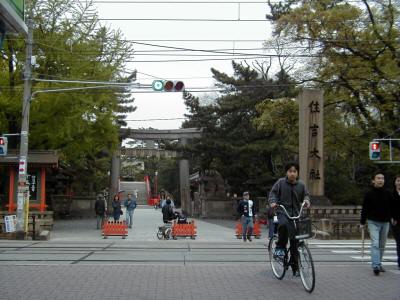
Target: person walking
(116, 205)
(130, 204)
(100, 210)
(376, 212)
(395, 224)
(246, 213)
(290, 192)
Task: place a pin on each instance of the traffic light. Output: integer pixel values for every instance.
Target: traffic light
(374, 151)
(168, 86)
(3, 145)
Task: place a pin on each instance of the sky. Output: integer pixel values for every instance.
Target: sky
(145, 34)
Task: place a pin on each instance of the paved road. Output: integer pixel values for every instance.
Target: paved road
(78, 264)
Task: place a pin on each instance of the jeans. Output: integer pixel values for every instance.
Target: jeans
(247, 227)
(378, 232)
(396, 235)
(100, 219)
(129, 217)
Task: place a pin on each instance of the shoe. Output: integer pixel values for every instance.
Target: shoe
(376, 271)
(296, 273)
(130, 226)
(381, 269)
(250, 239)
(279, 252)
(244, 240)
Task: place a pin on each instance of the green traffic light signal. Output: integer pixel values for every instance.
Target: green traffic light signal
(167, 86)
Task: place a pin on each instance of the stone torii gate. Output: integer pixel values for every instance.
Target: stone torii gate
(182, 135)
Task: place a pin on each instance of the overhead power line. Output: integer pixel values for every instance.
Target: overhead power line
(194, 2)
(159, 119)
(183, 20)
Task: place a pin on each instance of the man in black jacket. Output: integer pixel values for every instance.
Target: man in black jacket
(377, 212)
(247, 213)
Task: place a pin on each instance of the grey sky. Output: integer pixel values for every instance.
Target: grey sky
(194, 74)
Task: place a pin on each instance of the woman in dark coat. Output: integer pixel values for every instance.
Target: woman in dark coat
(116, 205)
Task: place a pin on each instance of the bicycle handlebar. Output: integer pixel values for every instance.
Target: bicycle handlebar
(294, 218)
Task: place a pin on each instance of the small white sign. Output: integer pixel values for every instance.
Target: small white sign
(10, 222)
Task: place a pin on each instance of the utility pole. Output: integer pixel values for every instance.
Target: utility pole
(23, 191)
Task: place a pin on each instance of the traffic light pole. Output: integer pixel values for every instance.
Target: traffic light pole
(23, 192)
(387, 141)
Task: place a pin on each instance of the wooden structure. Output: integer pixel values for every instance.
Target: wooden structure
(38, 162)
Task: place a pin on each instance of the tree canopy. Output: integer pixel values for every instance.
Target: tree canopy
(69, 44)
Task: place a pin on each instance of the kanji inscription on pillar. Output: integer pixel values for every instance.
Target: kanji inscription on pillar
(311, 104)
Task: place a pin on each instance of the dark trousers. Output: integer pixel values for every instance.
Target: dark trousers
(286, 231)
(272, 227)
(396, 235)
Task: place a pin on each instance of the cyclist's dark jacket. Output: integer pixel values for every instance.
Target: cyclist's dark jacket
(168, 213)
(378, 206)
(290, 195)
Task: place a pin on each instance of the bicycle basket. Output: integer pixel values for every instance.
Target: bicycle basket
(304, 230)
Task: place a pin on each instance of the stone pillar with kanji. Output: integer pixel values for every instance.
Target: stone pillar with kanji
(311, 141)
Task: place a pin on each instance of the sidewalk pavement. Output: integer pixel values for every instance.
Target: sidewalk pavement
(145, 226)
(164, 282)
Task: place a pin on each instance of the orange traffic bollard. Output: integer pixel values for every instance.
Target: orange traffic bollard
(184, 230)
(256, 230)
(115, 228)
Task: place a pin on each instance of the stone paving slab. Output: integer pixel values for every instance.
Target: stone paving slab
(189, 282)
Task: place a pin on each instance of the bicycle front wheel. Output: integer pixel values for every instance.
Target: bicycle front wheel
(168, 232)
(278, 264)
(306, 268)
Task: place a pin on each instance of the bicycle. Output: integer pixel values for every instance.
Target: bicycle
(305, 262)
(164, 232)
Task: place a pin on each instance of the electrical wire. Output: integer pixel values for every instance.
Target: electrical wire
(159, 119)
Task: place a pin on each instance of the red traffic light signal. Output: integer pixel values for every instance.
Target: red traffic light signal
(375, 146)
(179, 86)
(374, 151)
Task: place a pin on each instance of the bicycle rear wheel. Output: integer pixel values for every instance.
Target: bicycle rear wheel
(160, 234)
(306, 268)
(278, 264)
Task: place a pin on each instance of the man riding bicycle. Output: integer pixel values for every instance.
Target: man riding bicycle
(289, 192)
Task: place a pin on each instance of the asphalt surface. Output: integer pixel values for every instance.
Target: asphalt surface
(77, 263)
